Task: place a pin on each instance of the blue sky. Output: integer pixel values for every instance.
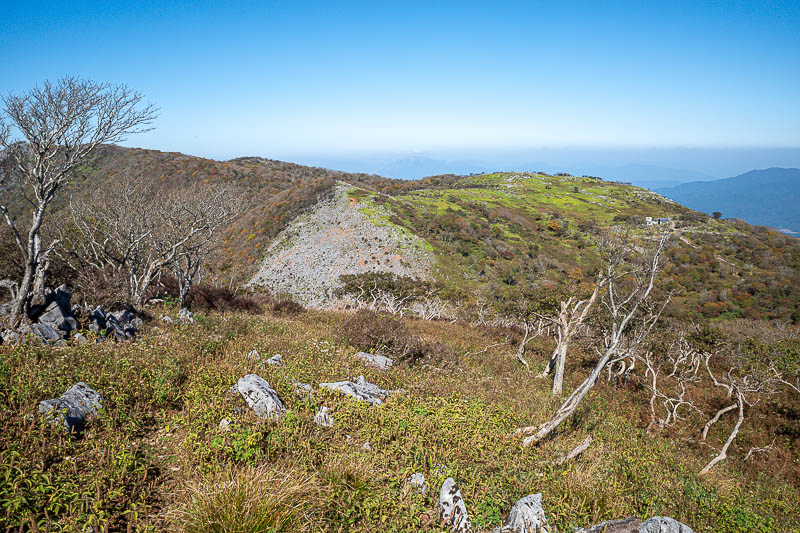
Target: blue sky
(291, 79)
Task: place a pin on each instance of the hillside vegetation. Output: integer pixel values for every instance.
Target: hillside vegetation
(157, 458)
(463, 282)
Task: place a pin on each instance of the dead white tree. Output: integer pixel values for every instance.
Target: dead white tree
(142, 228)
(59, 125)
(744, 386)
(429, 307)
(573, 313)
(630, 274)
(667, 376)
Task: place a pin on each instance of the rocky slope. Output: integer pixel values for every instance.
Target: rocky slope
(346, 233)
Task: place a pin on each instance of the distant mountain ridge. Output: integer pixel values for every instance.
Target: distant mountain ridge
(767, 197)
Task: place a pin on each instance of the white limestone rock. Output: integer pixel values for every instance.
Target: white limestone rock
(378, 361)
(323, 417)
(526, 516)
(361, 389)
(417, 482)
(452, 510)
(260, 397)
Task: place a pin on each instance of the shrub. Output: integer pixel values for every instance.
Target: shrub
(284, 305)
(210, 298)
(367, 330)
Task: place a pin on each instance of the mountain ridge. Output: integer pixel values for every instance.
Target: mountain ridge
(767, 197)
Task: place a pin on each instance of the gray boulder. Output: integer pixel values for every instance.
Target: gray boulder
(79, 339)
(323, 417)
(47, 333)
(97, 320)
(123, 325)
(664, 524)
(452, 510)
(657, 524)
(74, 407)
(59, 318)
(361, 389)
(527, 516)
(260, 397)
(378, 361)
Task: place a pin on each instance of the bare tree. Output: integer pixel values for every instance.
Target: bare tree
(668, 374)
(744, 384)
(142, 228)
(60, 126)
(630, 275)
(571, 317)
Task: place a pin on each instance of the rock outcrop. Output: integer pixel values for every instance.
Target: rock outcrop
(74, 408)
(360, 389)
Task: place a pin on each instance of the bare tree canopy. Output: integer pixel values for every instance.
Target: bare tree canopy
(58, 126)
(142, 228)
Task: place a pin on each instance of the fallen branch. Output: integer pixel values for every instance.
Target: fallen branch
(579, 449)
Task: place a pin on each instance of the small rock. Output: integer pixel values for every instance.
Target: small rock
(664, 524)
(74, 407)
(275, 360)
(378, 361)
(361, 389)
(625, 525)
(417, 482)
(366, 447)
(323, 418)
(303, 389)
(79, 339)
(261, 398)
(224, 424)
(527, 516)
(185, 316)
(452, 510)
(167, 320)
(254, 354)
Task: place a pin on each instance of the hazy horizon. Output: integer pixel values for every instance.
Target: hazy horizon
(324, 81)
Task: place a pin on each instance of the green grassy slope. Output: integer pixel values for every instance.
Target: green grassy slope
(511, 229)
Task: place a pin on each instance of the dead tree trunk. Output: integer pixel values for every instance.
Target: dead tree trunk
(623, 306)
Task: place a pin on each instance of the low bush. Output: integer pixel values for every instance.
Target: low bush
(367, 330)
(284, 305)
